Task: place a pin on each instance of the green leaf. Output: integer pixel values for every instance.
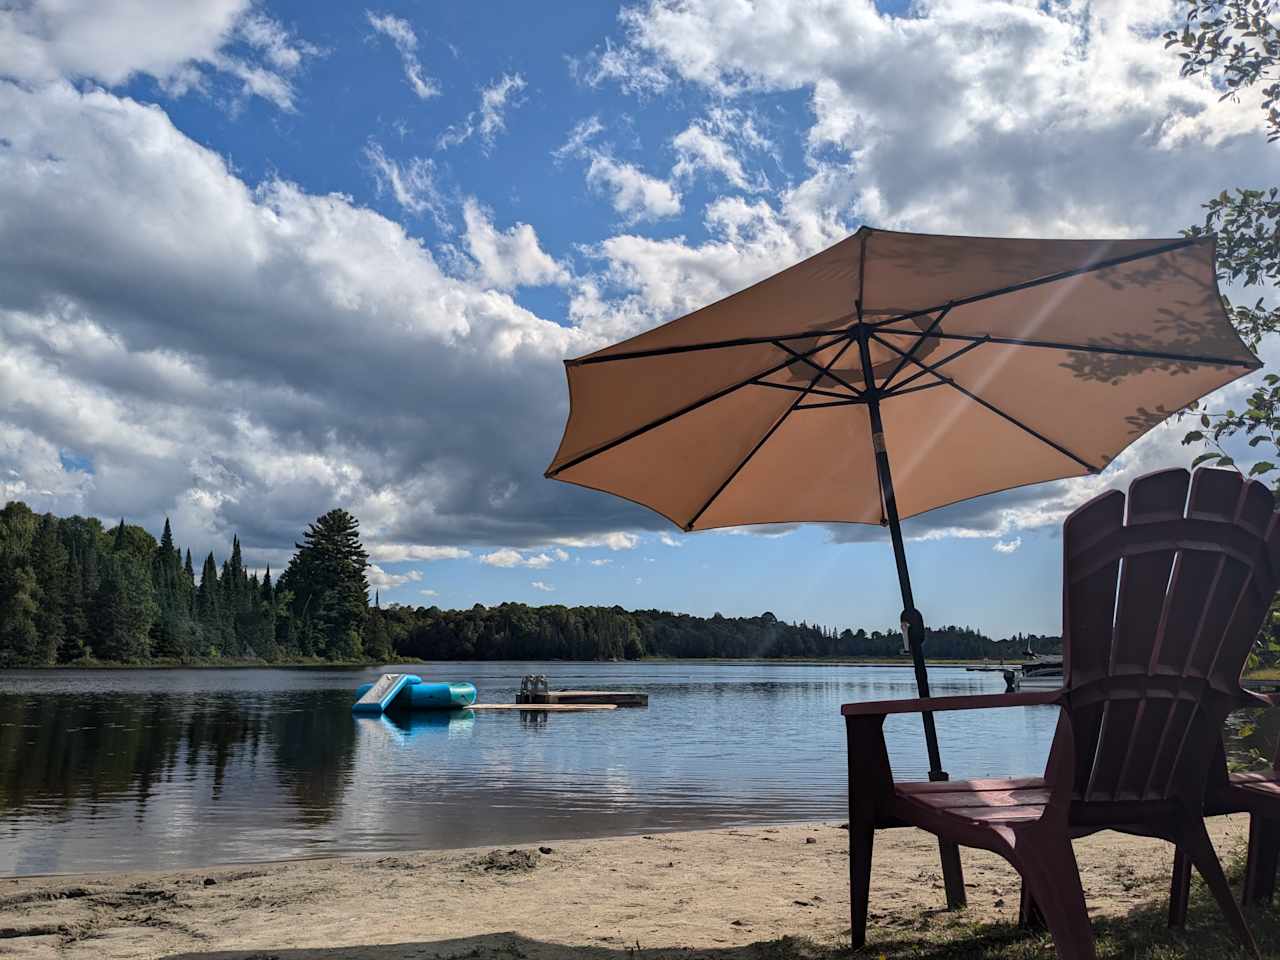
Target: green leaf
(1262, 466)
(1202, 458)
(1193, 436)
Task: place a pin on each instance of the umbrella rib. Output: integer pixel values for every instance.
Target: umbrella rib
(1082, 348)
(996, 410)
(712, 345)
(823, 371)
(1055, 277)
(792, 387)
(929, 368)
(860, 401)
(765, 439)
(937, 322)
(924, 386)
(687, 408)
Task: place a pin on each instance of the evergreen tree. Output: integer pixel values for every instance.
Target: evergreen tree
(330, 592)
(377, 644)
(171, 634)
(209, 609)
(82, 538)
(49, 567)
(19, 637)
(124, 609)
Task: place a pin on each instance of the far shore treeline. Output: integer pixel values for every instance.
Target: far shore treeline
(75, 592)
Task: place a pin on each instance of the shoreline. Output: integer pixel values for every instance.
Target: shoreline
(904, 661)
(725, 890)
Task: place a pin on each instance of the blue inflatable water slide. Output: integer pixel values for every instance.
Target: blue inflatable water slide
(409, 691)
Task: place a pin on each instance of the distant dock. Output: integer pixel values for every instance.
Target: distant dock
(534, 691)
(545, 707)
(584, 698)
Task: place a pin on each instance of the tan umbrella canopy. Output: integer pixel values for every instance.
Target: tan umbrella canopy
(974, 364)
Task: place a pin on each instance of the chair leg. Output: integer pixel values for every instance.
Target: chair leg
(1179, 889)
(1194, 839)
(1051, 880)
(952, 874)
(862, 832)
(1260, 869)
(1029, 915)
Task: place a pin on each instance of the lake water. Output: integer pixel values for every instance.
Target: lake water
(141, 769)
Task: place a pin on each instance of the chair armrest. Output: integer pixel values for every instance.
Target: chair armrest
(880, 708)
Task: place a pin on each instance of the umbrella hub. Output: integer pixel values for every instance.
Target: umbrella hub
(848, 369)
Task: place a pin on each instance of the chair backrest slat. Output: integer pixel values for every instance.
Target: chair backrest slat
(1164, 594)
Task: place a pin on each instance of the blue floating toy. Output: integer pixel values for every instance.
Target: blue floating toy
(410, 692)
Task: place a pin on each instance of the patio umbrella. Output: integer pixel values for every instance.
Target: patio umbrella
(894, 373)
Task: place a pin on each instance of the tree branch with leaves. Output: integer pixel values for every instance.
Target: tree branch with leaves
(1236, 44)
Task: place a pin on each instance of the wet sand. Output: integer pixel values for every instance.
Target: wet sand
(714, 892)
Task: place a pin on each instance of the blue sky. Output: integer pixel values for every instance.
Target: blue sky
(258, 259)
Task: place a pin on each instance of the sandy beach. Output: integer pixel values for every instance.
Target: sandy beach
(706, 893)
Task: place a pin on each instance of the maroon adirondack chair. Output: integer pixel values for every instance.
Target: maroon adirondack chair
(1160, 609)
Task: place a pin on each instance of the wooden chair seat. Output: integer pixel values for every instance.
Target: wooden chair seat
(975, 801)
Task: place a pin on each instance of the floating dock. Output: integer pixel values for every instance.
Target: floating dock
(545, 707)
(582, 698)
(535, 690)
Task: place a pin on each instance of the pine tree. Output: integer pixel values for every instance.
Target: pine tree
(265, 623)
(330, 591)
(49, 566)
(209, 609)
(124, 609)
(377, 644)
(227, 600)
(82, 538)
(20, 642)
(171, 633)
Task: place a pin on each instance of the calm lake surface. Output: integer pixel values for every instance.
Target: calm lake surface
(141, 769)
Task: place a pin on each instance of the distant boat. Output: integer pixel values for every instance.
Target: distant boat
(1039, 672)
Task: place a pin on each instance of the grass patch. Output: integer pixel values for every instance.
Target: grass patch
(1142, 934)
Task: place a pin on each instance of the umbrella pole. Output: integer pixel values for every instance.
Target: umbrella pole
(912, 620)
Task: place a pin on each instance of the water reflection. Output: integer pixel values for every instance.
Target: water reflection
(423, 725)
(138, 769)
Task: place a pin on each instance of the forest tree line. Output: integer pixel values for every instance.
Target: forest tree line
(514, 631)
(75, 591)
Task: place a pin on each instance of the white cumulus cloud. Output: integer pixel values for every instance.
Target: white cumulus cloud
(634, 194)
(508, 558)
(613, 540)
(383, 580)
(181, 45)
(320, 353)
(506, 259)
